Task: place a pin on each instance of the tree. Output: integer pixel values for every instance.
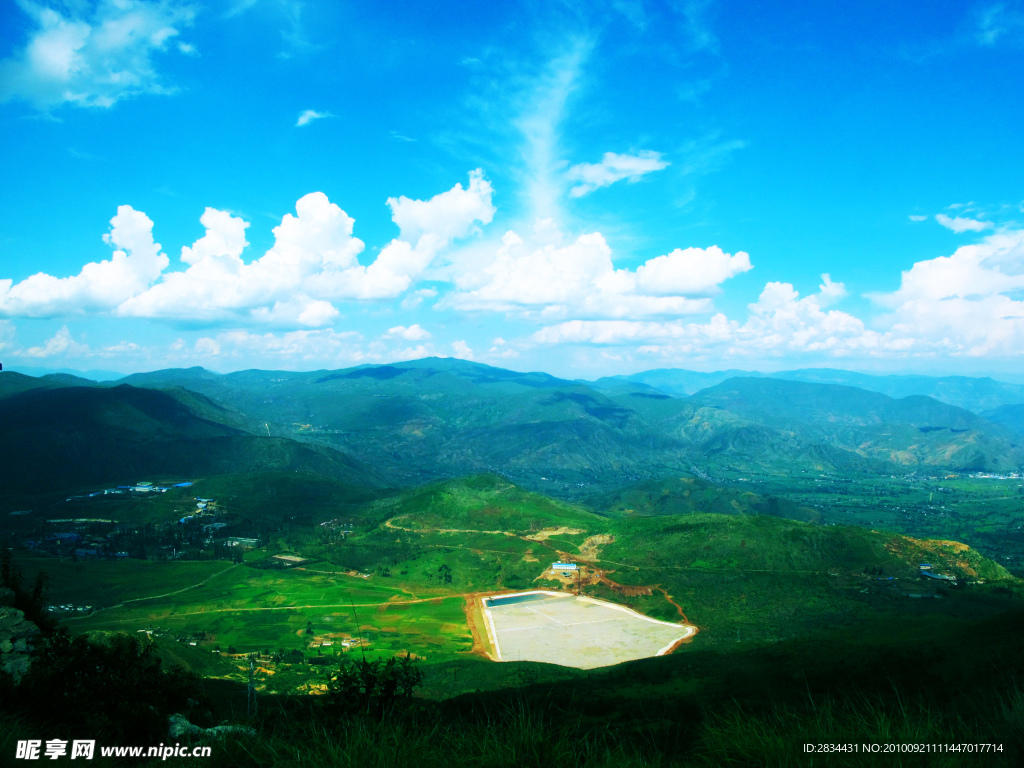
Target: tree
(117, 688)
(373, 687)
(445, 573)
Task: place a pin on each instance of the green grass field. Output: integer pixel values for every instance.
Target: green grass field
(102, 583)
(261, 610)
(746, 580)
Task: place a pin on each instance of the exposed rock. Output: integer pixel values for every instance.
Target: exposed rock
(18, 636)
(178, 726)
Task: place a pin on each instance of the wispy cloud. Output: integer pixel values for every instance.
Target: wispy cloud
(998, 20)
(612, 168)
(309, 116)
(93, 55)
(962, 224)
(697, 26)
(539, 125)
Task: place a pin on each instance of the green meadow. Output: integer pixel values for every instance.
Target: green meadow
(254, 609)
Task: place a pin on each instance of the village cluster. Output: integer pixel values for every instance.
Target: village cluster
(201, 533)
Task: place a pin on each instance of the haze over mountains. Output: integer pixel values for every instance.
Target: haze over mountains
(407, 423)
(973, 393)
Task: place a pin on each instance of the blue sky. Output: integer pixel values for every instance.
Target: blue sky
(582, 188)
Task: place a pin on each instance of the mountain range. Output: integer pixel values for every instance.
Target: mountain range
(404, 424)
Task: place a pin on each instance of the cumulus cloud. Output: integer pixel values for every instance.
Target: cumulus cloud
(963, 305)
(324, 346)
(462, 350)
(690, 271)
(965, 302)
(309, 116)
(779, 322)
(61, 343)
(579, 280)
(413, 333)
(100, 286)
(312, 264)
(613, 167)
(962, 224)
(93, 55)
(449, 215)
(272, 289)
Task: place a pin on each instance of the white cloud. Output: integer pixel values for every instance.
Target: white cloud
(961, 224)
(61, 343)
(410, 353)
(100, 286)
(413, 333)
(207, 347)
(462, 350)
(8, 334)
(275, 288)
(690, 271)
(500, 350)
(93, 55)
(912, 217)
(320, 347)
(309, 116)
(964, 302)
(312, 264)
(579, 280)
(543, 107)
(780, 322)
(416, 298)
(612, 168)
(964, 305)
(995, 21)
(449, 215)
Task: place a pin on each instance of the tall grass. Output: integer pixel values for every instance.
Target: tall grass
(775, 738)
(515, 735)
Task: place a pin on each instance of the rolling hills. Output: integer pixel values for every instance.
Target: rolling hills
(971, 393)
(433, 418)
(60, 439)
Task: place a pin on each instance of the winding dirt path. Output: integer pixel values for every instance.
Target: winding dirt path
(155, 597)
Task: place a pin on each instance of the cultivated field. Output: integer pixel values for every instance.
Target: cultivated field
(575, 631)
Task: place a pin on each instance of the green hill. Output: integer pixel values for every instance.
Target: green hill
(481, 503)
(688, 495)
(54, 440)
(429, 419)
(1008, 416)
(11, 382)
(847, 423)
(434, 418)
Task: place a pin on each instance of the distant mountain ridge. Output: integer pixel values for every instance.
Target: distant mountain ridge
(431, 419)
(971, 393)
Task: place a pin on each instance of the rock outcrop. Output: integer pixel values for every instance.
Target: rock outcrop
(18, 637)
